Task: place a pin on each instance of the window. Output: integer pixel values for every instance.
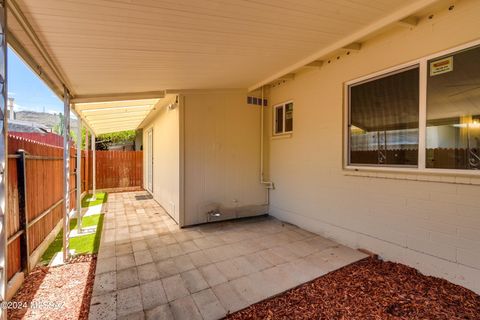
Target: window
(453, 111)
(424, 116)
(283, 118)
(383, 125)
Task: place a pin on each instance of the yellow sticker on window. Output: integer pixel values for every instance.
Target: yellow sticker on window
(441, 66)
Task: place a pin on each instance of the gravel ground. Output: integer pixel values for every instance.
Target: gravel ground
(369, 289)
(62, 292)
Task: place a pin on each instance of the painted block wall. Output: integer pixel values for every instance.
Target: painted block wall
(221, 156)
(430, 222)
(166, 157)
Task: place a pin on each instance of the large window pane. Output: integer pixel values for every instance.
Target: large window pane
(384, 120)
(453, 111)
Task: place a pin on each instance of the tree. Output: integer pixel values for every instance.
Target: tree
(73, 134)
(58, 128)
(121, 137)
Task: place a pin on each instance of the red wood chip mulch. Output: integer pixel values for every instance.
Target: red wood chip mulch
(62, 292)
(369, 289)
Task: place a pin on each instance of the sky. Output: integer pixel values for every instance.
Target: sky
(28, 89)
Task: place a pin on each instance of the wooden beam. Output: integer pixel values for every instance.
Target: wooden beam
(289, 76)
(93, 109)
(88, 98)
(379, 24)
(315, 64)
(408, 22)
(354, 46)
(93, 118)
(114, 121)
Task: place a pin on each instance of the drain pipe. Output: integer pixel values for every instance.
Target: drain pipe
(268, 184)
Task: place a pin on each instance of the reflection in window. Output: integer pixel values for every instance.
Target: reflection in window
(384, 120)
(279, 119)
(453, 111)
(289, 117)
(283, 118)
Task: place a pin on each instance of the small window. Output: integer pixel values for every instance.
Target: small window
(453, 111)
(283, 118)
(384, 120)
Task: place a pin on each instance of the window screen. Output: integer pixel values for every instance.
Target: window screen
(383, 120)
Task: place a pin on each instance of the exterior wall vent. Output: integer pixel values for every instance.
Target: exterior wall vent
(256, 101)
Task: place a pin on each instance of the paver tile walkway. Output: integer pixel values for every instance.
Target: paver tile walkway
(150, 268)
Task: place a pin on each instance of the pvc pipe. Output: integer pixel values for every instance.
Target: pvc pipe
(268, 184)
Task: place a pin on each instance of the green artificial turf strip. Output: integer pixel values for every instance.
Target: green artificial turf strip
(83, 244)
(101, 198)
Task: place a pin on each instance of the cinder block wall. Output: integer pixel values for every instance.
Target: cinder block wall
(429, 222)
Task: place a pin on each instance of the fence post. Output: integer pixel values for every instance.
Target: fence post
(22, 209)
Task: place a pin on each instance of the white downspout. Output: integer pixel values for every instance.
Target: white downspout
(268, 184)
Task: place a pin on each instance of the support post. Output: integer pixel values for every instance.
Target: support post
(22, 210)
(78, 172)
(94, 171)
(3, 155)
(66, 173)
(87, 171)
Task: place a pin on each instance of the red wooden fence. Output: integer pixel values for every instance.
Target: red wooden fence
(43, 195)
(49, 138)
(117, 169)
(41, 205)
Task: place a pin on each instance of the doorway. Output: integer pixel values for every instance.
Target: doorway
(150, 160)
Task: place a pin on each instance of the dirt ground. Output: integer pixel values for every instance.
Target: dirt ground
(62, 292)
(369, 289)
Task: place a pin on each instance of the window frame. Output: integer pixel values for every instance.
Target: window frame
(422, 119)
(275, 107)
(381, 76)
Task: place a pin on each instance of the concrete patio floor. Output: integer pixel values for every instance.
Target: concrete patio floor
(149, 268)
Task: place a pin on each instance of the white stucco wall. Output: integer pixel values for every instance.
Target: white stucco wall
(166, 157)
(431, 225)
(221, 156)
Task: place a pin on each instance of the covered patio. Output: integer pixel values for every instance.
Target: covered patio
(148, 267)
(198, 79)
